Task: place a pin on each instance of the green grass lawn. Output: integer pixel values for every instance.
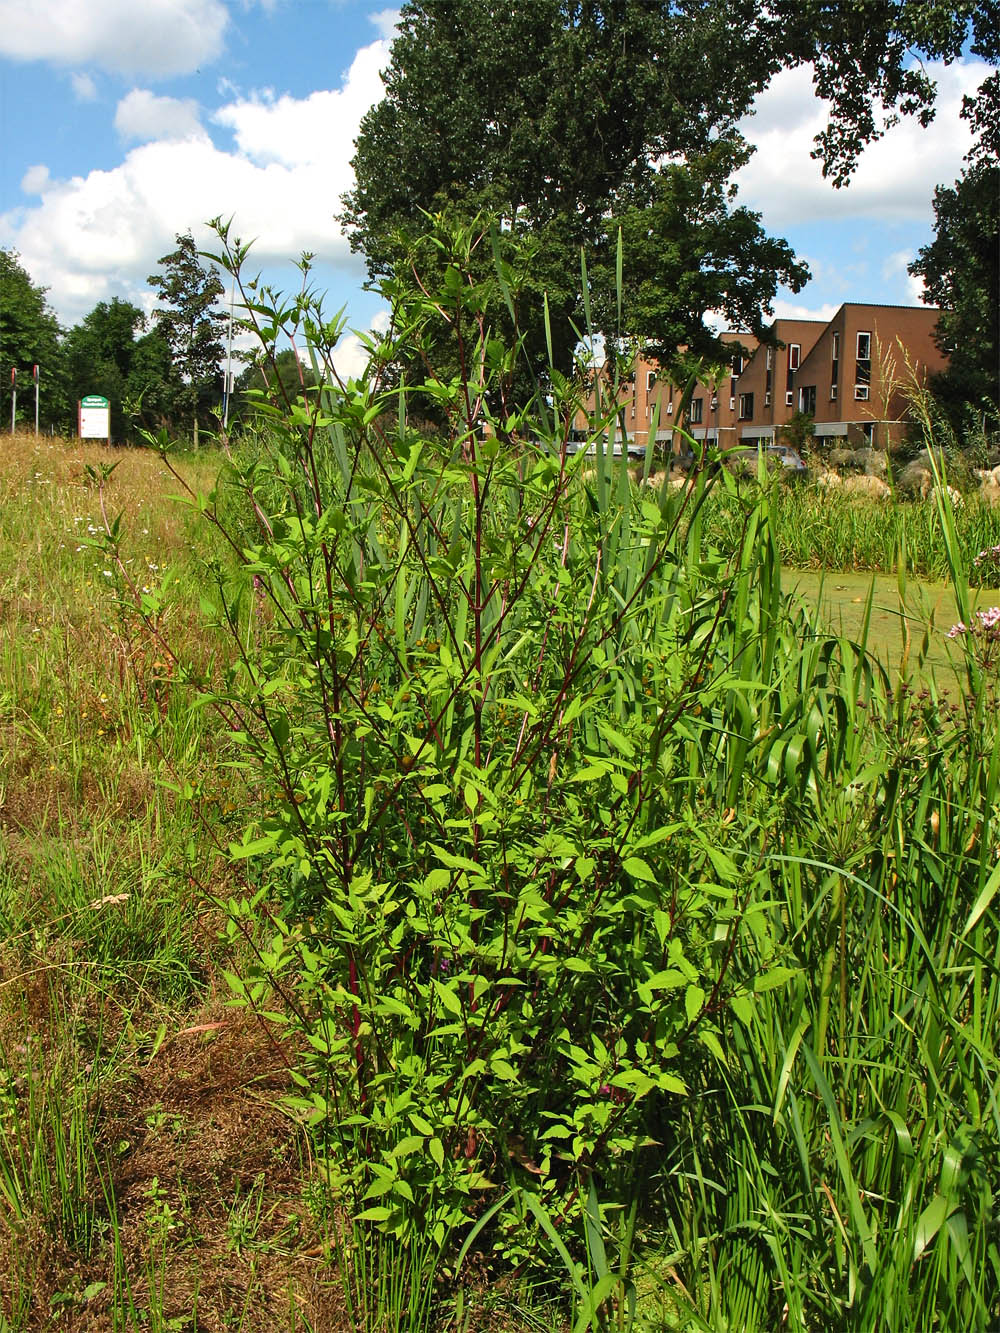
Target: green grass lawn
(928, 610)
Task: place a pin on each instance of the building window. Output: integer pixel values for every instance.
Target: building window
(767, 398)
(670, 408)
(807, 399)
(794, 355)
(789, 398)
(714, 405)
(746, 406)
(696, 406)
(863, 373)
(732, 404)
(770, 358)
(738, 364)
(835, 366)
(650, 380)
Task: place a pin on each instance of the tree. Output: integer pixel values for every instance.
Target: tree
(598, 93)
(688, 252)
(99, 354)
(868, 60)
(153, 387)
(30, 336)
(190, 327)
(556, 115)
(961, 272)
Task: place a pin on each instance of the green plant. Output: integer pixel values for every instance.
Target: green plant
(584, 867)
(491, 706)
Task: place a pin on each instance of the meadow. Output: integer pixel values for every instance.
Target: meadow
(441, 890)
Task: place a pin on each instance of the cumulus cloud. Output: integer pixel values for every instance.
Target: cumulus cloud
(142, 115)
(786, 309)
(35, 180)
(350, 356)
(385, 21)
(99, 235)
(84, 87)
(158, 38)
(896, 267)
(318, 130)
(895, 177)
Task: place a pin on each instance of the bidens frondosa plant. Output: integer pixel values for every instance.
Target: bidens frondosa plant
(481, 694)
(573, 844)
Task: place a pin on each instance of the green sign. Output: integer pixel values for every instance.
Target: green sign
(94, 400)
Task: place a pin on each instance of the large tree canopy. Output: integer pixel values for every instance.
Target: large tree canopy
(190, 325)
(961, 272)
(99, 355)
(29, 336)
(558, 115)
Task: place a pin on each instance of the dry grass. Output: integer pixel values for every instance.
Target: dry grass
(112, 1012)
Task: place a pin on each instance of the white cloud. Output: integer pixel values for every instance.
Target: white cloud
(896, 267)
(153, 37)
(84, 87)
(895, 177)
(786, 309)
(318, 130)
(142, 115)
(385, 21)
(350, 356)
(99, 235)
(35, 180)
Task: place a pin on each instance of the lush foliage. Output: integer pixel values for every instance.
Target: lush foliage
(29, 336)
(732, 1064)
(817, 528)
(189, 324)
(602, 91)
(589, 874)
(109, 353)
(961, 271)
(627, 110)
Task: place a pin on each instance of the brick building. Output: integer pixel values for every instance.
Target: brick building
(849, 375)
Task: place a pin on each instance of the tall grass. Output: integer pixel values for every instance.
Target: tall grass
(825, 529)
(738, 902)
(713, 1045)
(118, 1063)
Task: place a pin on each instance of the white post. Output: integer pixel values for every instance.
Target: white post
(34, 371)
(13, 397)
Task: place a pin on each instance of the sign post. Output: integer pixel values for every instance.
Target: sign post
(13, 397)
(94, 415)
(34, 371)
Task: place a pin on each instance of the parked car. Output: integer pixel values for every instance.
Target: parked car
(775, 455)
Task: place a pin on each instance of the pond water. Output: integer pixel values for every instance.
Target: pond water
(928, 608)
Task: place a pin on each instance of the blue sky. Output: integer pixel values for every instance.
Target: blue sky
(123, 122)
